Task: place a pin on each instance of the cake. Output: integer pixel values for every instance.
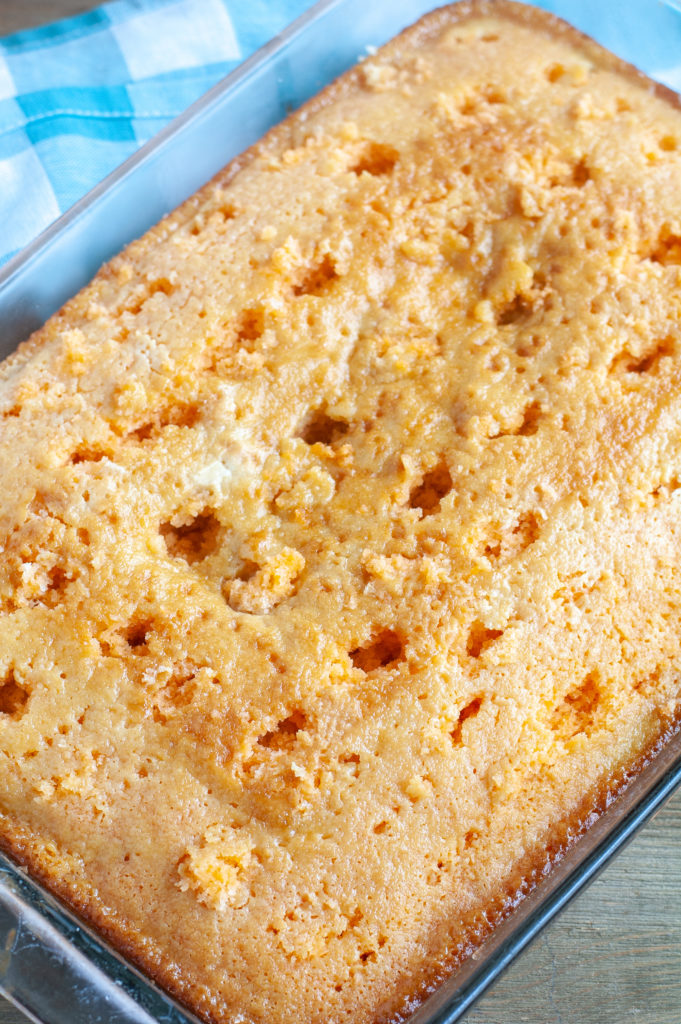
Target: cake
(340, 580)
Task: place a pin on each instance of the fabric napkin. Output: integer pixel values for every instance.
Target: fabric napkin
(79, 96)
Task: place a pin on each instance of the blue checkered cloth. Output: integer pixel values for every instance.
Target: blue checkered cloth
(79, 96)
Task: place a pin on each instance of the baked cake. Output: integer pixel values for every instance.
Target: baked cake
(341, 579)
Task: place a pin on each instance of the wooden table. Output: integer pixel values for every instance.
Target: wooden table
(614, 955)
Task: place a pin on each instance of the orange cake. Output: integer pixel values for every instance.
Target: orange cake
(341, 576)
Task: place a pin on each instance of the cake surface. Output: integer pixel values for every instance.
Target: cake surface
(340, 578)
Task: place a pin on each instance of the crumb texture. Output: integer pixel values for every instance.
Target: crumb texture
(340, 527)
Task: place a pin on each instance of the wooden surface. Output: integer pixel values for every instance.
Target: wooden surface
(18, 14)
(614, 956)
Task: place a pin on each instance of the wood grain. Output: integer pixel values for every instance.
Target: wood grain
(18, 14)
(614, 956)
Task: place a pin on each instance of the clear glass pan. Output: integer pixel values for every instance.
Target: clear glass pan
(51, 965)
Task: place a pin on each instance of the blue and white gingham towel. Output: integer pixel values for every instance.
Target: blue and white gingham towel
(79, 96)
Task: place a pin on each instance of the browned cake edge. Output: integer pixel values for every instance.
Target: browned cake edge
(537, 864)
(77, 893)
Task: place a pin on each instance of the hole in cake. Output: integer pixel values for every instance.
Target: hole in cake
(667, 251)
(581, 173)
(367, 955)
(665, 489)
(87, 454)
(175, 694)
(470, 711)
(353, 761)
(649, 683)
(13, 696)
(554, 73)
(528, 425)
(381, 827)
(321, 428)
(40, 506)
(161, 284)
(577, 176)
(480, 638)
(283, 736)
(489, 37)
(246, 570)
(249, 327)
(355, 918)
(668, 143)
(194, 541)
(137, 634)
(576, 712)
(525, 532)
(145, 432)
(277, 664)
(493, 548)
(621, 105)
(427, 495)
(470, 105)
(648, 363)
(386, 649)
(517, 310)
(531, 418)
(227, 211)
(529, 345)
(259, 589)
(491, 94)
(317, 279)
(377, 159)
(133, 308)
(58, 581)
(509, 543)
(179, 415)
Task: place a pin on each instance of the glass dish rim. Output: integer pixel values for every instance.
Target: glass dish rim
(587, 856)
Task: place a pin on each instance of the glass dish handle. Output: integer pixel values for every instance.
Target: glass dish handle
(42, 974)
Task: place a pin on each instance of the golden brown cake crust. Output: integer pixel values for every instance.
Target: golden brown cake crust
(339, 581)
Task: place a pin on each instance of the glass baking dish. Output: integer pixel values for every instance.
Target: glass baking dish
(51, 965)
